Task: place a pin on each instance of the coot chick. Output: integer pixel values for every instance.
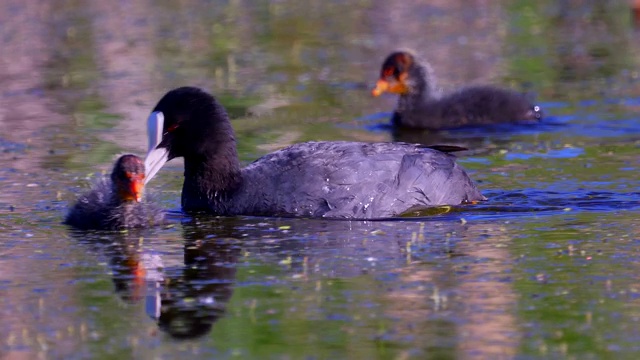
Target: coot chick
(420, 105)
(336, 179)
(116, 203)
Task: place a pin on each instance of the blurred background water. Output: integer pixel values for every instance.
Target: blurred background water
(545, 269)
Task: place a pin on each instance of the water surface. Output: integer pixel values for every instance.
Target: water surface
(546, 268)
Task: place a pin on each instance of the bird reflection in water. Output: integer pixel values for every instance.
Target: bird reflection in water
(185, 297)
(191, 298)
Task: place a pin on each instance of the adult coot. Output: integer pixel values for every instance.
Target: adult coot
(330, 179)
(421, 105)
(116, 203)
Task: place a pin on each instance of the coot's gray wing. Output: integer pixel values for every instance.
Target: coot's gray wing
(353, 180)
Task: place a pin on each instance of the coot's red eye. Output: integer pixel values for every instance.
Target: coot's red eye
(172, 127)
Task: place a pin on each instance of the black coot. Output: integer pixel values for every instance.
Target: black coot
(334, 179)
(421, 105)
(116, 203)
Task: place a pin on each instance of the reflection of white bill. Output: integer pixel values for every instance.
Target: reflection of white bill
(153, 266)
(152, 300)
(154, 275)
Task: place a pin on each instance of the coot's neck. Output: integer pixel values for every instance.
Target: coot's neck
(115, 201)
(119, 212)
(422, 84)
(214, 172)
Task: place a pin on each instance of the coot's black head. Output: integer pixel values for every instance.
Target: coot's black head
(127, 178)
(395, 74)
(187, 122)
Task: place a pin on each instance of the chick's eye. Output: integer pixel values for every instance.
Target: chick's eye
(388, 72)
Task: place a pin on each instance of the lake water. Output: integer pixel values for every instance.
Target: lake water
(547, 268)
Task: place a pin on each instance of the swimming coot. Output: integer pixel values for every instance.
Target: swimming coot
(314, 179)
(116, 203)
(421, 106)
